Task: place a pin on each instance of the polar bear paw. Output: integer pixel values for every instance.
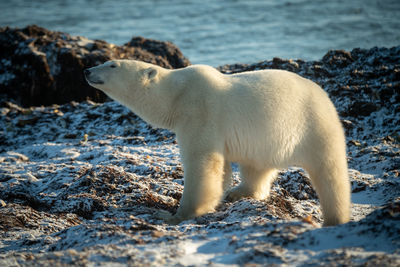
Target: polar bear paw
(236, 193)
(168, 217)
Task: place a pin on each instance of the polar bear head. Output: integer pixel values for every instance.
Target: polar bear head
(121, 77)
(137, 85)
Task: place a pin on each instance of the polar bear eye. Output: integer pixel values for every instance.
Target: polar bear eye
(113, 66)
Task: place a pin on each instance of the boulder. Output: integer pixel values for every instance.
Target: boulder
(43, 67)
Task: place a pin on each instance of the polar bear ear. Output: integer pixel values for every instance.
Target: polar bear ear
(150, 73)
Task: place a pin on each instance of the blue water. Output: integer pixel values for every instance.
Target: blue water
(224, 31)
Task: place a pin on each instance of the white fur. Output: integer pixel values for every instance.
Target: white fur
(264, 120)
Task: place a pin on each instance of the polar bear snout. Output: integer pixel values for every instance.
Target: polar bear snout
(91, 78)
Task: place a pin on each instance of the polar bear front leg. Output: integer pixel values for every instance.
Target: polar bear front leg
(255, 184)
(203, 186)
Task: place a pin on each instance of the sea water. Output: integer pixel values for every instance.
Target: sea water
(217, 32)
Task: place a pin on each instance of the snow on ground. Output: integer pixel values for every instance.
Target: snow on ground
(80, 184)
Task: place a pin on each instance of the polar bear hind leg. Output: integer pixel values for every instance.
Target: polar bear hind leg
(227, 176)
(330, 180)
(323, 156)
(255, 183)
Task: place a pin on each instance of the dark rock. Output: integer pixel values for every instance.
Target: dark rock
(276, 61)
(360, 108)
(359, 188)
(42, 67)
(348, 126)
(338, 57)
(166, 50)
(319, 71)
(30, 121)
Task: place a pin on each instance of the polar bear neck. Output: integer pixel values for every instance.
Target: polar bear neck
(173, 95)
(156, 102)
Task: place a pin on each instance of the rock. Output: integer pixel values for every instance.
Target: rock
(348, 125)
(338, 57)
(360, 108)
(43, 67)
(164, 49)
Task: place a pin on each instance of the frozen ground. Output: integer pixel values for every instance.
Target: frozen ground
(80, 184)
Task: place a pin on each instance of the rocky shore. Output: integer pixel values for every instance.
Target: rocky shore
(80, 181)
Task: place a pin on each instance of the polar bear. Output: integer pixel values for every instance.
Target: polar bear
(263, 120)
